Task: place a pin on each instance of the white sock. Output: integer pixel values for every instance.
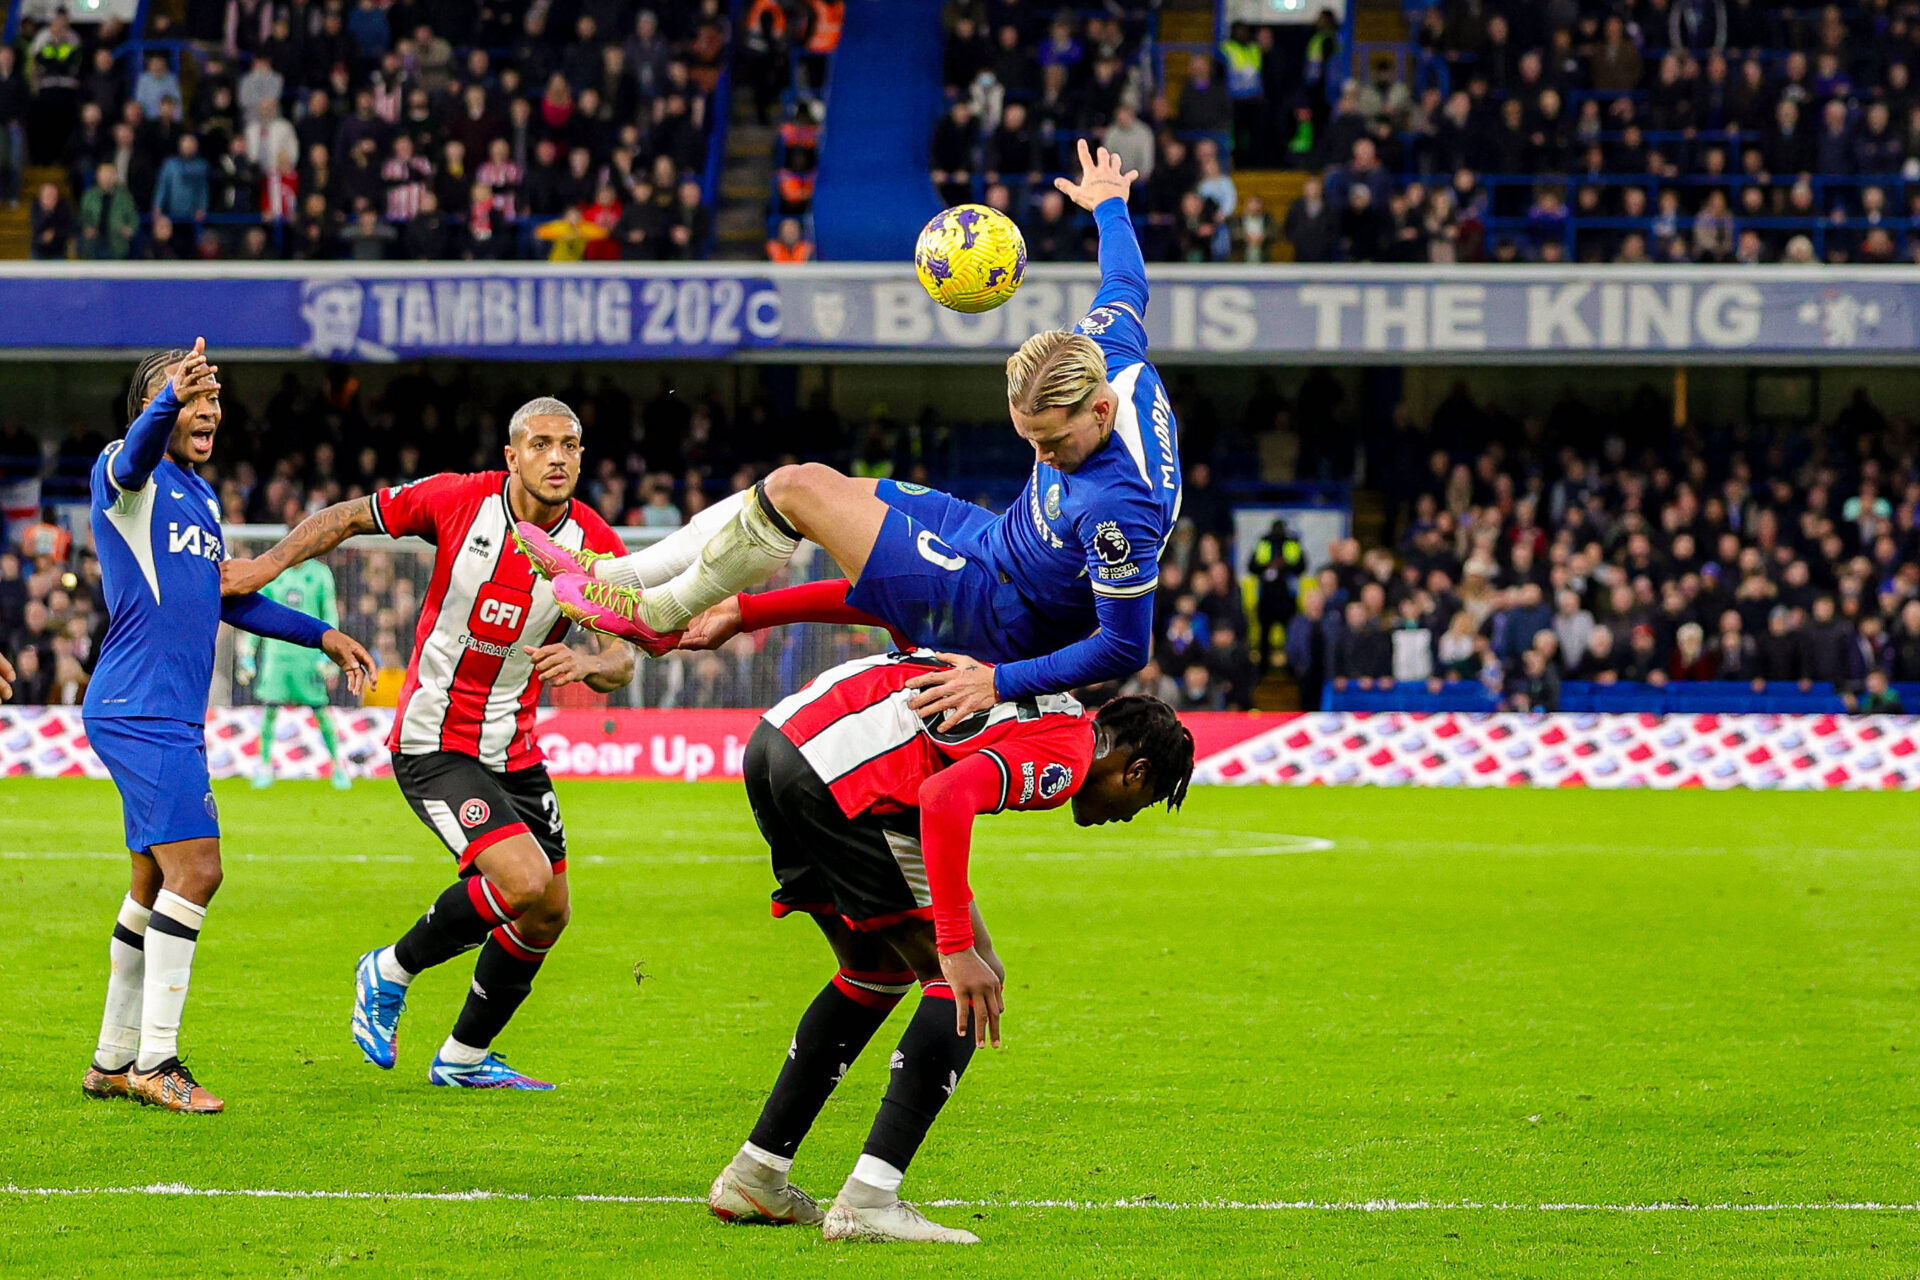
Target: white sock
(878, 1174)
(760, 1155)
(747, 551)
(673, 554)
(172, 933)
(126, 977)
(389, 967)
(463, 1054)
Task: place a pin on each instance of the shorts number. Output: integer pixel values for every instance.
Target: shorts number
(551, 803)
(930, 550)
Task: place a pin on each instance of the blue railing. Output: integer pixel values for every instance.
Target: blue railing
(1707, 697)
(719, 117)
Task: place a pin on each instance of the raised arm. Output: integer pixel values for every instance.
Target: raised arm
(318, 534)
(148, 435)
(1102, 191)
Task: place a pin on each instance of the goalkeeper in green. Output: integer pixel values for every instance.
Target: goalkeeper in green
(286, 675)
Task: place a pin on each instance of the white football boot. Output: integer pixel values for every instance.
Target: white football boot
(749, 1192)
(861, 1212)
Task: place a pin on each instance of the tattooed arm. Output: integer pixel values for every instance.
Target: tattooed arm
(318, 534)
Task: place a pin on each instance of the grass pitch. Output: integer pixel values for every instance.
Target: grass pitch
(1478, 1006)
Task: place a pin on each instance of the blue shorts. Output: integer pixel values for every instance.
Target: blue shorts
(927, 578)
(160, 767)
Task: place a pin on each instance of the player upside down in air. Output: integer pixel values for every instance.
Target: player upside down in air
(282, 676)
(488, 639)
(1079, 553)
(868, 809)
(156, 525)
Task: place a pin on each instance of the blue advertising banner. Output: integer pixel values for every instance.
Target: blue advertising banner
(854, 312)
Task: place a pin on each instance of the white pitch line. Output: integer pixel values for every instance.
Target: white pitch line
(1138, 1202)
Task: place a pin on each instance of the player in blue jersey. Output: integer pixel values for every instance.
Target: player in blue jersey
(156, 529)
(1056, 592)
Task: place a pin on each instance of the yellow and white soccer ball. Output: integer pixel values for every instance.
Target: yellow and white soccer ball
(970, 258)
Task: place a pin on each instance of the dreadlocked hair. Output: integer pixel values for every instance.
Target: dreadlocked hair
(148, 378)
(1147, 729)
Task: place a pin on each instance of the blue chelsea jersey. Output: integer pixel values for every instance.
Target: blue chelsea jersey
(160, 552)
(1100, 530)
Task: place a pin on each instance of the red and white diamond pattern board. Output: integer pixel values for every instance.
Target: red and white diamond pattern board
(1818, 752)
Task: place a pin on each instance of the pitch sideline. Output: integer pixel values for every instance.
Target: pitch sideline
(1142, 1202)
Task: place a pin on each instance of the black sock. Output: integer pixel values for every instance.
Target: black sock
(926, 1067)
(831, 1034)
(502, 980)
(459, 920)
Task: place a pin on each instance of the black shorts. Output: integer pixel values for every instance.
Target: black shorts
(470, 807)
(866, 870)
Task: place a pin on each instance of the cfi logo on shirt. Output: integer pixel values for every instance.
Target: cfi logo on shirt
(1054, 779)
(1110, 543)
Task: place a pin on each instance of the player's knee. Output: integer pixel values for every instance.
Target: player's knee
(545, 921)
(522, 884)
(791, 489)
(197, 880)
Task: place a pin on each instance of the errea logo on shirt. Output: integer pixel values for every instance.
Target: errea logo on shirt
(194, 541)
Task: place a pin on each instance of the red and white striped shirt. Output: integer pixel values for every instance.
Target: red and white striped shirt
(470, 686)
(854, 725)
(406, 187)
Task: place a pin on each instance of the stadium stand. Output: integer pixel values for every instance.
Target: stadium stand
(1493, 131)
(252, 131)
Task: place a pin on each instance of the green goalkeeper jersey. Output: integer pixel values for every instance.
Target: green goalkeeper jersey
(283, 673)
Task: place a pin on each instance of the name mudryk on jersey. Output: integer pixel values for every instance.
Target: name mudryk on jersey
(1163, 432)
(194, 540)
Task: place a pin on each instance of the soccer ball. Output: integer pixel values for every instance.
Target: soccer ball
(970, 258)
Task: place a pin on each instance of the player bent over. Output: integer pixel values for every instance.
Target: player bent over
(868, 810)
(282, 676)
(156, 525)
(1057, 590)
(489, 638)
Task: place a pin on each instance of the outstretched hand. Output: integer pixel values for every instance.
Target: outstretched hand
(954, 692)
(713, 628)
(351, 657)
(1101, 179)
(193, 376)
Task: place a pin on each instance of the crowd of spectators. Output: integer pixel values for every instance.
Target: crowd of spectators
(1025, 84)
(1541, 550)
(787, 54)
(419, 129)
(1676, 131)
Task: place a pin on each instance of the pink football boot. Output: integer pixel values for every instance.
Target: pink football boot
(550, 559)
(611, 611)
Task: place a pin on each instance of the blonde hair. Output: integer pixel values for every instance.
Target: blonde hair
(1054, 368)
